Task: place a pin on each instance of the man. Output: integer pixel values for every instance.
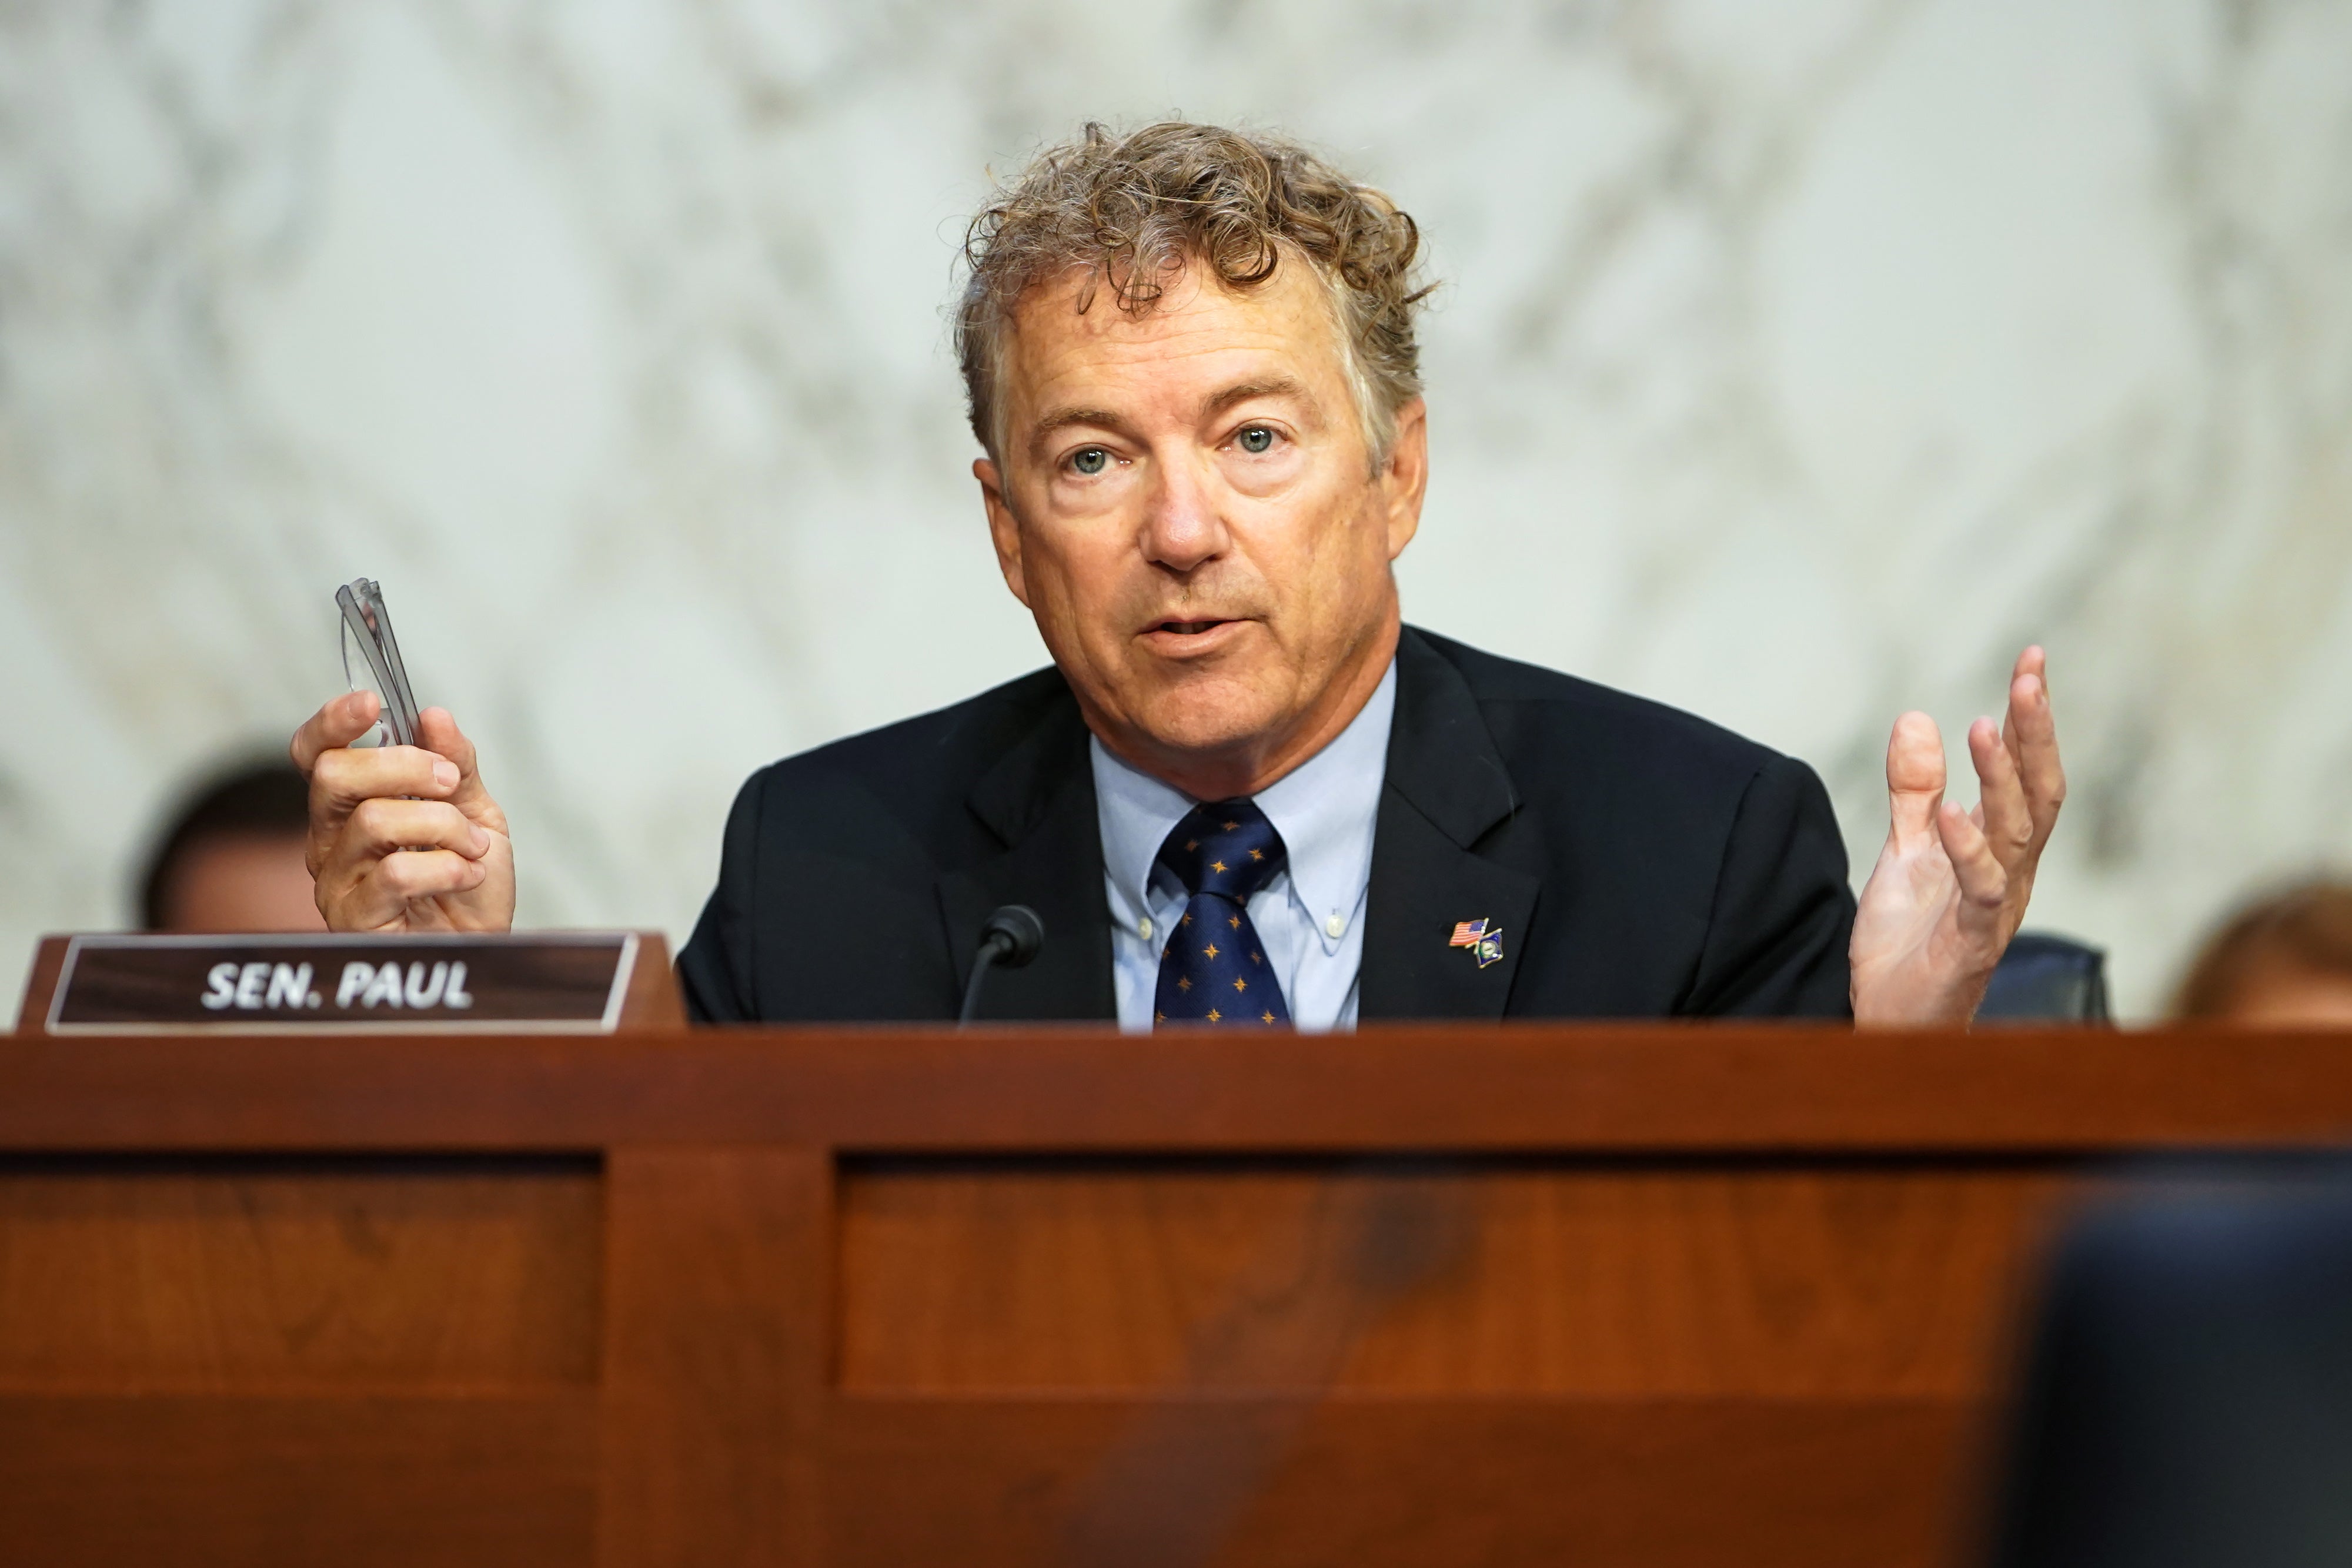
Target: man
(2283, 962)
(231, 858)
(1245, 794)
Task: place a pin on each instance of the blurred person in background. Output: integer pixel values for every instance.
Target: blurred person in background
(2284, 962)
(231, 859)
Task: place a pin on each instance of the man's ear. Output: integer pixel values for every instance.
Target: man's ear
(1004, 529)
(1405, 478)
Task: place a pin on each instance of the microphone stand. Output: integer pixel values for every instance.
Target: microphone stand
(1010, 937)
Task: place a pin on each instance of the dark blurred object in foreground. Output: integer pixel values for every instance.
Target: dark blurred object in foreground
(2284, 962)
(231, 860)
(2047, 979)
(2189, 1401)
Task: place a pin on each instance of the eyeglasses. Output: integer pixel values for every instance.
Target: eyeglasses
(367, 623)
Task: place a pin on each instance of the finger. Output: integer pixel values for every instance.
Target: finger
(1983, 883)
(380, 827)
(2001, 815)
(335, 726)
(2030, 735)
(396, 881)
(1915, 777)
(341, 780)
(440, 733)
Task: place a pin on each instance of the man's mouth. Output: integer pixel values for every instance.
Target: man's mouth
(1188, 628)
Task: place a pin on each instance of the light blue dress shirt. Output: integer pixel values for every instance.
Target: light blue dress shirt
(1309, 917)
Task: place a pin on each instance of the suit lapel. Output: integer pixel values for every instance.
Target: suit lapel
(1451, 844)
(1039, 802)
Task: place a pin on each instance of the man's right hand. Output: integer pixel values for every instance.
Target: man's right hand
(403, 838)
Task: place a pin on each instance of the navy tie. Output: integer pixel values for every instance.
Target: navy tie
(1213, 969)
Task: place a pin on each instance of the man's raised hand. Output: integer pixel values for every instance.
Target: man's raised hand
(403, 838)
(1951, 886)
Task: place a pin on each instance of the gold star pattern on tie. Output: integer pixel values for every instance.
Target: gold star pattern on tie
(1221, 853)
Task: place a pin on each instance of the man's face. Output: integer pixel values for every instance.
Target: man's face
(242, 882)
(2288, 995)
(1187, 506)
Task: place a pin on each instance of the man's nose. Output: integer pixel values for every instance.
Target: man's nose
(1182, 526)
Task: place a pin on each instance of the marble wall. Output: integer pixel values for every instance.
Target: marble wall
(1796, 363)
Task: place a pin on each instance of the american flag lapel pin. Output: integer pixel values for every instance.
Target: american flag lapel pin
(1485, 944)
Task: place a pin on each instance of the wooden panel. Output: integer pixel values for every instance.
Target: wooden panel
(715, 1357)
(1372, 1483)
(1591, 1089)
(293, 1483)
(199, 1276)
(1678, 1296)
(653, 999)
(41, 982)
(1683, 1282)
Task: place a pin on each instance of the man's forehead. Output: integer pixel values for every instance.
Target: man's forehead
(1199, 337)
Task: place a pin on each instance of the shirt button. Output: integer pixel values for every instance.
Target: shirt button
(1144, 929)
(1335, 926)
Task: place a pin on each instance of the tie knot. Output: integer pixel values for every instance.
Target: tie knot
(1224, 847)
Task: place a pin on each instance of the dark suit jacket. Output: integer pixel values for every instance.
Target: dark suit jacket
(1639, 861)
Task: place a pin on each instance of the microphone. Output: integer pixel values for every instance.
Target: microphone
(1010, 937)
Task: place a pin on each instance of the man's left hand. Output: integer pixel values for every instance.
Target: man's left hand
(1951, 885)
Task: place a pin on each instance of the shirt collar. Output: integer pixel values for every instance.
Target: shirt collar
(1325, 810)
(1136, 811)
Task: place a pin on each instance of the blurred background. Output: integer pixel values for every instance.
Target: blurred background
(1795, 364)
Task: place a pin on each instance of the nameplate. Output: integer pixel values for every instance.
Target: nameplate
(566, 982)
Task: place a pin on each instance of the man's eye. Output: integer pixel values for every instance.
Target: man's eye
(1090, 460)
(1256, 439)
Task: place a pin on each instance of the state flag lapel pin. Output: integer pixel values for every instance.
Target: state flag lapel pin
(1485, 944)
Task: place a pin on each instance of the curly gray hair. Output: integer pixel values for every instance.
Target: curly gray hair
(1130, 212)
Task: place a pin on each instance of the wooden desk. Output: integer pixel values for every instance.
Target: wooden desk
(1419, 1296)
